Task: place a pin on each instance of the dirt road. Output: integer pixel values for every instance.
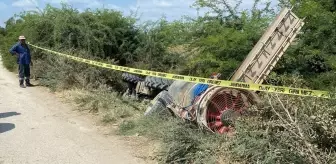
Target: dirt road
(36, 127)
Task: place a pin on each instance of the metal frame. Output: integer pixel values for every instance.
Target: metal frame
(269, 49)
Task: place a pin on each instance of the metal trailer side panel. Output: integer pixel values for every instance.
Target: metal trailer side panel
(269, 49)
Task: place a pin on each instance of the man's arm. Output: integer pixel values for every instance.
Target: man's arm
(13, 50)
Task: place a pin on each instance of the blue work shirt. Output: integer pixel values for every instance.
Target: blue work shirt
(23, 51)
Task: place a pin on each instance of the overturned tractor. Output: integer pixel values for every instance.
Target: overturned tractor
(215, 108)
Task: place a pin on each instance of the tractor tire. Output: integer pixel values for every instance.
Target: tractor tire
(158, 106)
(127, 77)
(158, 83)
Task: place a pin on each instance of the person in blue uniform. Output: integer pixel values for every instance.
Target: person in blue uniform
(22, 51)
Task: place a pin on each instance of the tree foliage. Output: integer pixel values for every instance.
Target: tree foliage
(314, 56)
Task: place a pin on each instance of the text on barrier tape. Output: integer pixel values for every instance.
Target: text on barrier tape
(223, 83)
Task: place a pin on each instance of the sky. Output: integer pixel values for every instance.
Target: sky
(148, 9)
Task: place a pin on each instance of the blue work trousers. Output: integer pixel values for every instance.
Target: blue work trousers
(24, 71)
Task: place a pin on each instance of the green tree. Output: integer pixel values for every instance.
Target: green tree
(313, 57)
(226, 34)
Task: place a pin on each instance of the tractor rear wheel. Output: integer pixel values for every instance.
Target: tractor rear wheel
(127, 77)
(158, 83)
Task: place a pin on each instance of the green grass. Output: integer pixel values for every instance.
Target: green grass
(283, 129)
(268, 134)
(109, 105)
(181, 142)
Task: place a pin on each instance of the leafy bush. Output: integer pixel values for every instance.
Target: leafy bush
(9, 61)
(102, 35)
(284, 129)
(181, 142)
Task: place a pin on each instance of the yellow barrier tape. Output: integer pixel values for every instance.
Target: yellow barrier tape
(223, 83)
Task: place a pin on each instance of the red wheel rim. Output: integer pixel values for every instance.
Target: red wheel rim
(221, 102)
